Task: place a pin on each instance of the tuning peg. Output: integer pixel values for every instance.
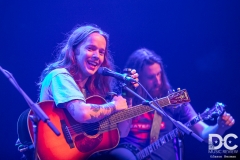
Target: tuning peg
(207, 109)
(170, 91)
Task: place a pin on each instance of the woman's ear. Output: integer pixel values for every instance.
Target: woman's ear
(72, 56)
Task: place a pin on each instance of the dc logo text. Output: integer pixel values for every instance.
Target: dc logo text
(222, 141)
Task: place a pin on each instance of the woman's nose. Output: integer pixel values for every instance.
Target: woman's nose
(96, 54)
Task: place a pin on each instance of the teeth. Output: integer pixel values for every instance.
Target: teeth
(93, 63)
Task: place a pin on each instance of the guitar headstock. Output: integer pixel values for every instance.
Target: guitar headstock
(217, 110)
(181, 96)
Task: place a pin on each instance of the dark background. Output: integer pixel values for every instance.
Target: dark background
(199, 42)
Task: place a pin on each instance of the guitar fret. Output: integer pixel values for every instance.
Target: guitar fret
(171, 134)
(161, 102)
(145, 152)
(160, 142)
(195, 120)
(167, 137)
(157, 144)
(164, 102)
(142, 156)
(139, 156)
(153, 146)
(150, 149)
(176, 132)
(163, 141)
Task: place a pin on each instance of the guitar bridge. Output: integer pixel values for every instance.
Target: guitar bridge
(67, 134)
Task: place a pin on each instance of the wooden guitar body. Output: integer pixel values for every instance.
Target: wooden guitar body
(73, 143)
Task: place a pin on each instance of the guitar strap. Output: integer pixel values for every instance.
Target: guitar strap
(155, 130)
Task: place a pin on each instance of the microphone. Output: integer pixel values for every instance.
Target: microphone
(107, 72)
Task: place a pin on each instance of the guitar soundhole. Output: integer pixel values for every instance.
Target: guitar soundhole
(91, 128)
(86, 144)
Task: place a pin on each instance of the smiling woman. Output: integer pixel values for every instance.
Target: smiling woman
(90, 56)
(69, 82)
(82, 41)
(72, 77)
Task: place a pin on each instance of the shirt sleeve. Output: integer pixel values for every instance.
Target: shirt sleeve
(186, 112)
(64, 89)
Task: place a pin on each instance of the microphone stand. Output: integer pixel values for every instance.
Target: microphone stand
(38, 112)
(178, 124)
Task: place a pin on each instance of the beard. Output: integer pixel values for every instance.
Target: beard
(155, 92)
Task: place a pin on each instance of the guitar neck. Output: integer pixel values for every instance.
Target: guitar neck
(164, 139)
(131, 112)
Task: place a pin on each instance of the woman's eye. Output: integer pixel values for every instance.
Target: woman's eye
(89, 48)
(102, 52)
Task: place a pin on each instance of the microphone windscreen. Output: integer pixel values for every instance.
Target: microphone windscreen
(100, 70)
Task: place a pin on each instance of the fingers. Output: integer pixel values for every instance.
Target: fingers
(230, 123)
(135, 75)
(117, 97)
(227, 120)
(120, 102)
(133, 71)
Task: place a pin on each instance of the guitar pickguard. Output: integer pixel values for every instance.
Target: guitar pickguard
(86, 144)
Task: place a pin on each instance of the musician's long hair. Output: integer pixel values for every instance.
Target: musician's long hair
(138, 60)
(96, 84)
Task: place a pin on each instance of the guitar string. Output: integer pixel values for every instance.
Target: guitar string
(113, 120)
(165, 102)
(90, 127)
(120, 115)
(103, 126)
(77, 127)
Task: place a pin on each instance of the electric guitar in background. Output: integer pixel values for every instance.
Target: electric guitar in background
(216, 110)
(81, 140)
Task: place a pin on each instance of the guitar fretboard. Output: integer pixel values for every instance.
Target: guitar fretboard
(110, 122)
(129, 113)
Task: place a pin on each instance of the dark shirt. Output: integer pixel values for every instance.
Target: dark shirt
(139, 134)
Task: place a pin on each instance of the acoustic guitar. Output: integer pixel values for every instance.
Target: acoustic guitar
(81, 140)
